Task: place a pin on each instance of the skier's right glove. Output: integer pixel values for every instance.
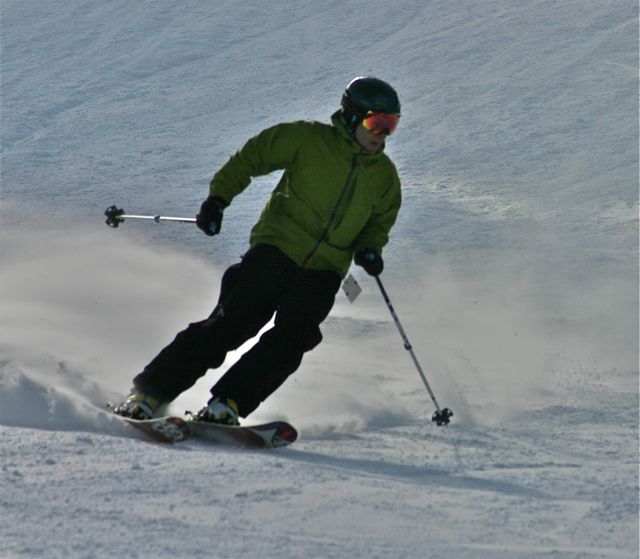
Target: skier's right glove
(209, 219)
(370, 260)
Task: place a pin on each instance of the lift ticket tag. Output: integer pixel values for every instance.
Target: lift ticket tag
(351, 288)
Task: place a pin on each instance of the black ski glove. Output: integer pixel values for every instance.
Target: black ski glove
(209, 219)
(370, 260)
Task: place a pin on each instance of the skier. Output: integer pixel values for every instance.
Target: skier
(336, 201)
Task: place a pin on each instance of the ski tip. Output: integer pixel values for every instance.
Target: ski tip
(284, 435)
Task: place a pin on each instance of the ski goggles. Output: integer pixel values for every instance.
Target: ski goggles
(380, 123)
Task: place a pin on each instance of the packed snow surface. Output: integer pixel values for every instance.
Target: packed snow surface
(513, 267)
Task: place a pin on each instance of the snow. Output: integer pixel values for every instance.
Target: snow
(513, 267)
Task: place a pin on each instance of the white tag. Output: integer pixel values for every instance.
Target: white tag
(351, 288)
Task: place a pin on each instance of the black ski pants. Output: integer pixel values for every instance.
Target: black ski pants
(265, 282)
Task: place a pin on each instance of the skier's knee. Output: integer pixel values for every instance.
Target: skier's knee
(303, 338)
(229, 281)
(312, 338)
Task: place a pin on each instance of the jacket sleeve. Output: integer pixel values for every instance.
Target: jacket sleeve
(375, 234)
(274, 148)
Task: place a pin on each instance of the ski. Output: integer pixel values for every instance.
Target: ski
(267, 435)
(171, 429)
(162, 429)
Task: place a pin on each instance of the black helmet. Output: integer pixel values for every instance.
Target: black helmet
(364, 94)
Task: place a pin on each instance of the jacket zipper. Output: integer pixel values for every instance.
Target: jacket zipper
(332, 217)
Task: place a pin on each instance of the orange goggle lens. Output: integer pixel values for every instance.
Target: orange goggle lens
(379, 123)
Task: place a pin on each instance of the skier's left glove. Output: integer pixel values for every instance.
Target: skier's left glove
(209, 219)
(370, 260)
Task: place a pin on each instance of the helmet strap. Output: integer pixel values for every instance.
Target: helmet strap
(351, 115)
(351, 121)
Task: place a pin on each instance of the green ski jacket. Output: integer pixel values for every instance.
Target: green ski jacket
(331, 200)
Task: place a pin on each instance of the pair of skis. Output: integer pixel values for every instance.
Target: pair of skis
(171, 429)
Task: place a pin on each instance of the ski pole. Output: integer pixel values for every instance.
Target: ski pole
(442, 415)
(115, 216)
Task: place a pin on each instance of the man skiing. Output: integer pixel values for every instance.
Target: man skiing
(335, 202)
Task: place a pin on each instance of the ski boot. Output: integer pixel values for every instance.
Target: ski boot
(137, 406)
(223, 411)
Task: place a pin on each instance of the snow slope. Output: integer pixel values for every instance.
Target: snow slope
(513, 266)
